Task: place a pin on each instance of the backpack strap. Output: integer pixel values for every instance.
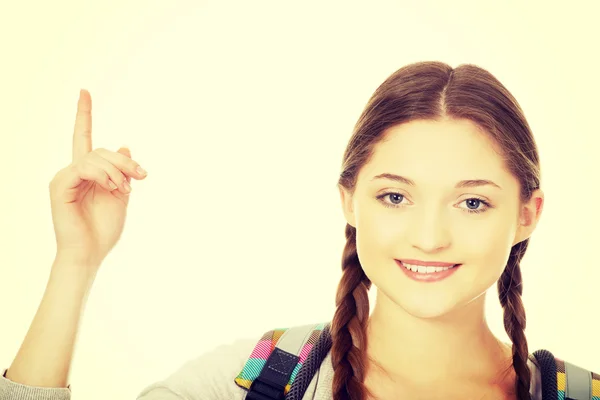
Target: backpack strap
(562, 380)
(305, 385)
(275, 361)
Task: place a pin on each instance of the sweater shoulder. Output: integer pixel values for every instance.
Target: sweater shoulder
(208, 376)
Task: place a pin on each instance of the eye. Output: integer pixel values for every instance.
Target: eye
(395, 197)
(473, 203)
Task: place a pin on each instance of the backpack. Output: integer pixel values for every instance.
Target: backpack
(284, 362)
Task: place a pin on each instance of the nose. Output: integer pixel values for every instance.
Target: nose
(429, 231)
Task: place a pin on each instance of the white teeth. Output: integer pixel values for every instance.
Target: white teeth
(425, 269)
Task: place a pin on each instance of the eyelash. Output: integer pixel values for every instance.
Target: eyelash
(470, 211)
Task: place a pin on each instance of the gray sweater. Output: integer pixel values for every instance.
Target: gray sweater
(208, 377)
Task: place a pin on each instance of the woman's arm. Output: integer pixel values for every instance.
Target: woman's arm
(44, 358)
(89, 200)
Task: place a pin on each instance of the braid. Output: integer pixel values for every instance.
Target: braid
(348, 328)
(510, 288)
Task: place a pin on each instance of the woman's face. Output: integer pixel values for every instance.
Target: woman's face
(434, 217)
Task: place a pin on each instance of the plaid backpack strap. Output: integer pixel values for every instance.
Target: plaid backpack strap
(562, 380)
(275, 361)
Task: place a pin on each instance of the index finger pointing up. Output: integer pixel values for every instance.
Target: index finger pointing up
(82, 135)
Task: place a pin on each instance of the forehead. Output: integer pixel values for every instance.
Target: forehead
(442, 151)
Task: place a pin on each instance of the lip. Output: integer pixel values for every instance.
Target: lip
(429, 277)
(427, 263)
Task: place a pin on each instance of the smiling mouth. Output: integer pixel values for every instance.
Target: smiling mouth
(426, 268)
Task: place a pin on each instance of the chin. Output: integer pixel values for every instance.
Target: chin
(426, 311)
(423, 304)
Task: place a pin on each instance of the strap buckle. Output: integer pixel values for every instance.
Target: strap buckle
(274, 376)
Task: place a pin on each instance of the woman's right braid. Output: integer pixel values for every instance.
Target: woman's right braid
(348, 328)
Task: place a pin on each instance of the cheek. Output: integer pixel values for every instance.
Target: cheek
(487, 246)
(378, 240)
(380, 227)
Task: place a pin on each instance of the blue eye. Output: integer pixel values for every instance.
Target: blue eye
(476, 202)
(397, 198)
(390, 195)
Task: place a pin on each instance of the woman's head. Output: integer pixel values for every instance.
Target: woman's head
(442, 166)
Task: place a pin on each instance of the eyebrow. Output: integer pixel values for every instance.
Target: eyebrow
(469, 183)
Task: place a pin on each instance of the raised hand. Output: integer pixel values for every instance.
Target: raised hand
(89, 197)
(89, 201)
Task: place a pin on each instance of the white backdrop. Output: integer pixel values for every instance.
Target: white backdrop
(240, 112)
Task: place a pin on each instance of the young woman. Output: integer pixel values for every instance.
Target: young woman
(440, 188)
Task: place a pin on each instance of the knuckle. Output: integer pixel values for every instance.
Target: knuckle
(85, 132)
(83, 168)
(93, 154)
(79, 167)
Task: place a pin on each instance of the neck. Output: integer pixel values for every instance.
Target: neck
(419, 351)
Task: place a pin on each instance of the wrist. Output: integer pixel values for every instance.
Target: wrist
(84, 260)
(74, 267)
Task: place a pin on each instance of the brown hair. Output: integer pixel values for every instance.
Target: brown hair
(431, 90)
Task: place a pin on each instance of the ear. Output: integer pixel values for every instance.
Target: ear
(529, 216)
(347, 206)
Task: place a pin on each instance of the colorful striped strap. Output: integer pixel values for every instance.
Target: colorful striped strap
(276, 350)
(565, 381)
(285, 350)
(576, 383)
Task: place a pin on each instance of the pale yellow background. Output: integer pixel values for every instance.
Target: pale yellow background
(240, 111)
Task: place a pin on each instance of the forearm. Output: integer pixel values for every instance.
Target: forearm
(44, 358)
